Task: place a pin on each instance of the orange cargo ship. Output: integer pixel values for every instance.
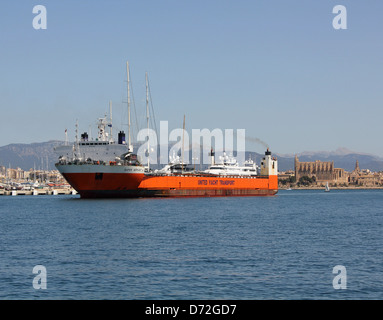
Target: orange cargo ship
(102, 168)
(198, 185)
(127, 178)
(232, 180)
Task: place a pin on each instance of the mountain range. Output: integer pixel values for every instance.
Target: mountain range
(28, 156)
(42, 156)
(342, 157)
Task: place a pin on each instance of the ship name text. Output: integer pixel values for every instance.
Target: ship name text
(204, 182)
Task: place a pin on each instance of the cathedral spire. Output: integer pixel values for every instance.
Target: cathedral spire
(357, 169)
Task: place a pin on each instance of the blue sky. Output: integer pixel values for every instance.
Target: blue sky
(275, 68)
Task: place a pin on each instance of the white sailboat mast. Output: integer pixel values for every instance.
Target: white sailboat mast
(147, 114)
(111, 125)
(77, 144)
(183, 133)
(128, 75)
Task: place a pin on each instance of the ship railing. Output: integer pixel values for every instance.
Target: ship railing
(80, 162)
(98, 162)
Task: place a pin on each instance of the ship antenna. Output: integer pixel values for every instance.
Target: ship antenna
(129, 137)
(147, 114)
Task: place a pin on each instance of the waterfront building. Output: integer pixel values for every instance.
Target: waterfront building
(321, 171)
(324, 171)
(364, 177)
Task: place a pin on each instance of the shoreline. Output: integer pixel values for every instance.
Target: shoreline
(37, 192)
(334, 188)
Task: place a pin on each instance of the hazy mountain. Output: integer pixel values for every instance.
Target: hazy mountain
(41, 155)
(26, 156)
(342, 157)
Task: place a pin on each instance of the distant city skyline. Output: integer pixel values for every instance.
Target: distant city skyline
(277, 69)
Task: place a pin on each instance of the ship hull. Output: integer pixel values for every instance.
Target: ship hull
(185, 193)
(208, 186)
(103, 181)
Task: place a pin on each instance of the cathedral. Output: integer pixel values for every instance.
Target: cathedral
(323, 171)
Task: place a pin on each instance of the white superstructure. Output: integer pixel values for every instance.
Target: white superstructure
(228, 165)
(103, 148)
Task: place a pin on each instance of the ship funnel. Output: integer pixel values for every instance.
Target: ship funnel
(84, 136)
(269, 164)
(121, 137)
(212, 156)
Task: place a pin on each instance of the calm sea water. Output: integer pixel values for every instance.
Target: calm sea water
(282, 247)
